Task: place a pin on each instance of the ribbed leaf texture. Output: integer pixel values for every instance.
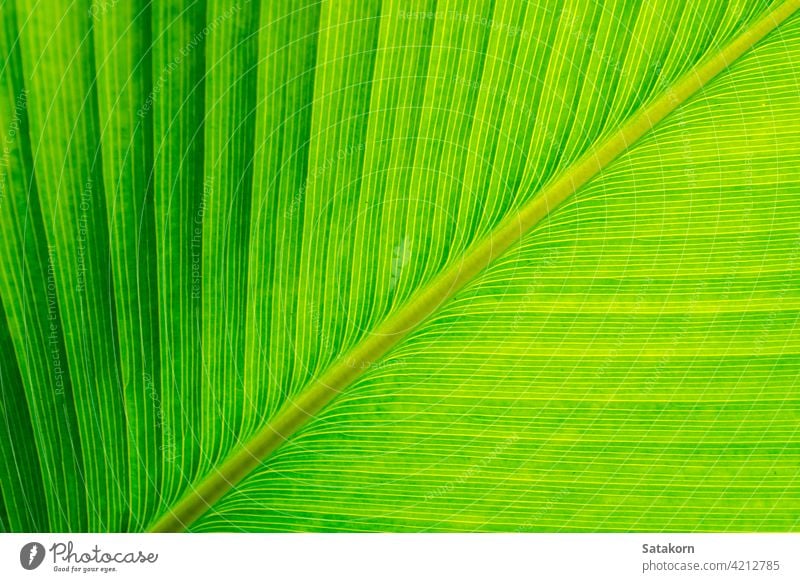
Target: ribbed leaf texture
(400, 265)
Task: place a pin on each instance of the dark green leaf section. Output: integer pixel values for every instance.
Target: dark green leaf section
(57, 48)
(35, 326)
(176, 100)
(4, 523)
(230, 95)
(19, 459)
(122, 57)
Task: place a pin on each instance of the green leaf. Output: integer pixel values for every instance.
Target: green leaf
(56, 45)
(121, 56)
(400, 266)
(176, 105)
(36, 386)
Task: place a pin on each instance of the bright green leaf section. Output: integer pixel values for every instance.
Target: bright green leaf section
(23, 488)
(205, 207)
(288, 51)
(632, 365)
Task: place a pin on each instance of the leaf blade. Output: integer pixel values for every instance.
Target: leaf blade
(331, 383)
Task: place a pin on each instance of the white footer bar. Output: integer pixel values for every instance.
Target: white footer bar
(401, 557)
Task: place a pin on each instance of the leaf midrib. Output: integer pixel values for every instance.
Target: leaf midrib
(315, 396)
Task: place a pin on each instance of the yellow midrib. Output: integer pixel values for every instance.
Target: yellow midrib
(341, 374)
